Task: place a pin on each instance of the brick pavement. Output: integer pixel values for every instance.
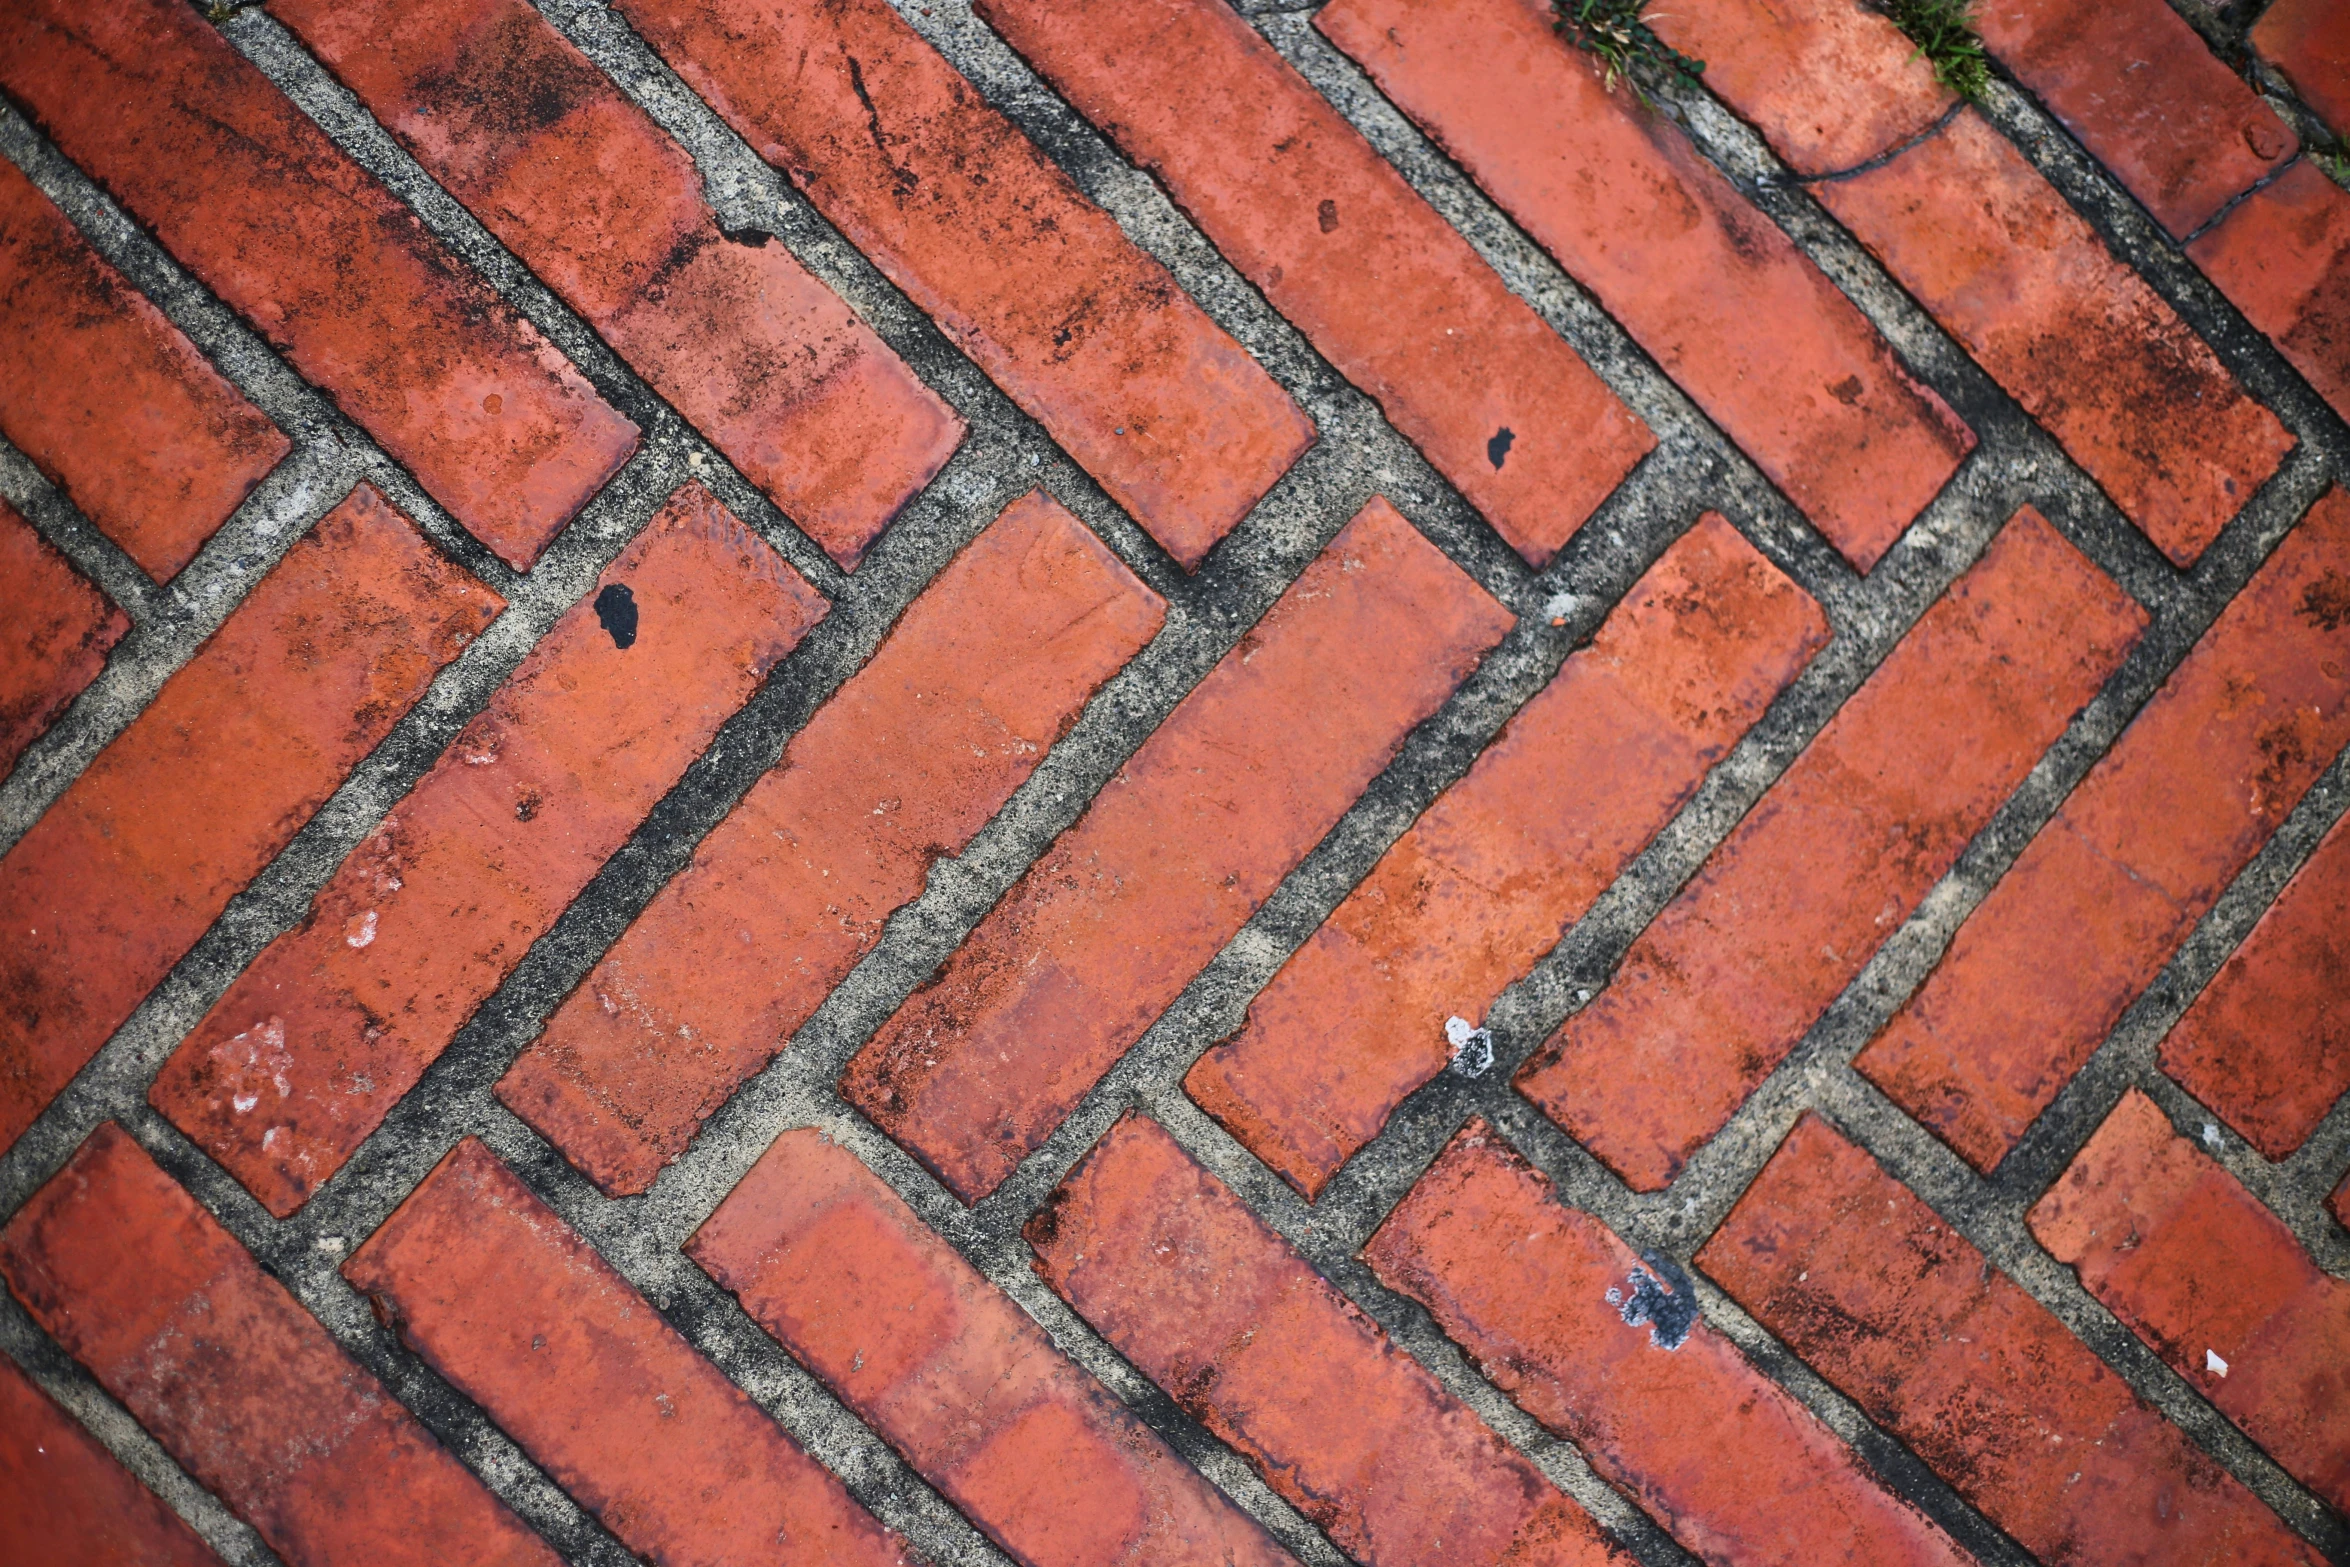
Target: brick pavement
(1079, 784)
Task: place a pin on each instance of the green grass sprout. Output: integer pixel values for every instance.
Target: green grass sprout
(1613, 33)
(1945, 36)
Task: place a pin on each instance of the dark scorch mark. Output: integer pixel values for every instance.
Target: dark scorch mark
(616, 613)
(1498, 448)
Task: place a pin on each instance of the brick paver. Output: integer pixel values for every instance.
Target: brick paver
(2200, 1270)
(2043, 968)
(322, 260)
(1734, 970)
(312, 1046)
(63, 629)
(1189, 1285)
(110, 400)
(506, 1301)
(235, 1379)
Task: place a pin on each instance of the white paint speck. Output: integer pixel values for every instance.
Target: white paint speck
(2213, 1364)
(360, 931)
(2211, 1134)
(243, 1102)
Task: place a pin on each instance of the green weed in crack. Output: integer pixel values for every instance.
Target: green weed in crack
(1945, 34)
(2334, 162)
(1612, 32)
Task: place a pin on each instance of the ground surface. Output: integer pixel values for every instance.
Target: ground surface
(1129, 782)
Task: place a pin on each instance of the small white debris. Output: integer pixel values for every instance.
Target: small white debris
(2213, 1364)
(244, 1102)
(360, 931)
(1472, 1047)
(1559, 607)
(2211, 1134)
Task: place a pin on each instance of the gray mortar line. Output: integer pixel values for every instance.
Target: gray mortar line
(53, 515)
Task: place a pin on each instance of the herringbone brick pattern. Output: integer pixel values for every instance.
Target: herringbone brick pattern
(1186, 781)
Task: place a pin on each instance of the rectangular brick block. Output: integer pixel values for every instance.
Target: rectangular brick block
(2309, 40)
(2215, 1282)
(238, 1382)
(1721, 986)
(2097, 903)
(1185, 1282)
(1171, 859)
(1713, 290)
(787, 381)
(1996, 255)
(61, 628)
(2146, 96)
(1610, 1353)
(64, 1498)
(1303, 206)
(1915, 1326)
(308, 1051)
(2283, 258)
(959, 1380)
(108, 398)
(521, 1315)
(113, 885)
(1490, 876)
(2267, 1043)
(907, 760)
(321, 259)
(1038, 285)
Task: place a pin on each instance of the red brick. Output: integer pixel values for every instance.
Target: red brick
(2309, 40)
(236, 1380)
(109, 400)
(339, 1017)
(1830, 84)
(785, 379)
(2194, 1265)
(64, 1498)
(1301, 204)
(504, 1299)
(2340, 1203)
(2146, 96)
(1914, 1325)
(113, 885)
(1710, 287)
(2267, 1044)
(912, 756)
(2093, 908)
(2283, 257)
(988, 236)
(826, 1257)
(1485, 882)
(1171, 859)
(1190, 1286)
(1555, 1310)
(60, 630)
(1971, 229)
(321, 259)
(1829, 863)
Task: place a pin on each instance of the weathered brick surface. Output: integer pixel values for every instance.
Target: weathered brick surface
(1830, 862)
(2283, 258)
(1301, 204)
(787, 381)
(64, 1498)
(905, 763)
(2309, 40)
(61, 628)
(1971, 229)
(827, 1258)
(114, 884)
(1913, 1324)
(1172, 1269)
(109, 400)
(1245, 776)
(2200, 1270)
(2043, 968)
(339, 1017)
(1709, 286)
(990, 238)
(236, 1380)
(505, 1300)
(2146, 96)
(1484, 883)
(2267, 1043)
(1594, 1343)
(320, 258)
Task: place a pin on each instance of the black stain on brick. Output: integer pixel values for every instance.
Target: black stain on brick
(1669, 1309)
(1498, 449)
(616, 613)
